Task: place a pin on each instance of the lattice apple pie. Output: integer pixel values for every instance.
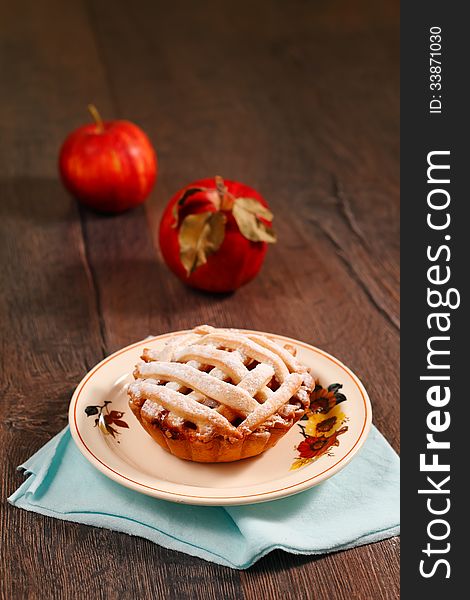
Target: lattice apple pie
(219, 395)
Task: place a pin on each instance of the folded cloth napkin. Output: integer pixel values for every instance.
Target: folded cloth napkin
(358, 506)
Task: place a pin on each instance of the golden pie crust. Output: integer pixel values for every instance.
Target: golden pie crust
(219, 395)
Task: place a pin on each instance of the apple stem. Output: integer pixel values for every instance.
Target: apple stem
(97, 117)
(226, 199)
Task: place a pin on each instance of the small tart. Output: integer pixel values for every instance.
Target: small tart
(219, 395)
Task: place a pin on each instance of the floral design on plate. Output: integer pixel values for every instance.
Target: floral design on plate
(105, 419)
(325, 422)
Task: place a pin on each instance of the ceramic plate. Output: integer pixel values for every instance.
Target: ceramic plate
(317, 447)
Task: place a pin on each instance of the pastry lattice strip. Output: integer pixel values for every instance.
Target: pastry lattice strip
(183, 406)
(169, 352)
(227, 365)
(200, 414)
(255, 351)
(238, 337)
(265, 352)
(239, 397)
(237, 390)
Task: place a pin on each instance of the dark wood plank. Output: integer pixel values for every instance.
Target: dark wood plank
(51, 319)
(279, 575)
(335, 194)
(297, 99)
(345, 225)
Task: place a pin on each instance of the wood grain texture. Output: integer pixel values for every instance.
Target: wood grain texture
(297, 99)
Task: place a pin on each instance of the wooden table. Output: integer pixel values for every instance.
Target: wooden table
(298, 99)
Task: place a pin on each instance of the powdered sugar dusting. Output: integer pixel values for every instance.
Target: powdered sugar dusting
(209, 377)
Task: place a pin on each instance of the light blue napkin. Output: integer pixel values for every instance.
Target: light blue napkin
(358, 506)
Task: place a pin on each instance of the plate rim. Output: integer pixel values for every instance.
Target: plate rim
(228, 499)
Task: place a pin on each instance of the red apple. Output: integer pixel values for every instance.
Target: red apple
(109, 166)
(214, 234)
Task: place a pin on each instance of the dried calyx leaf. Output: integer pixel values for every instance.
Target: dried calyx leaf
(200, 235)
(248, 214)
